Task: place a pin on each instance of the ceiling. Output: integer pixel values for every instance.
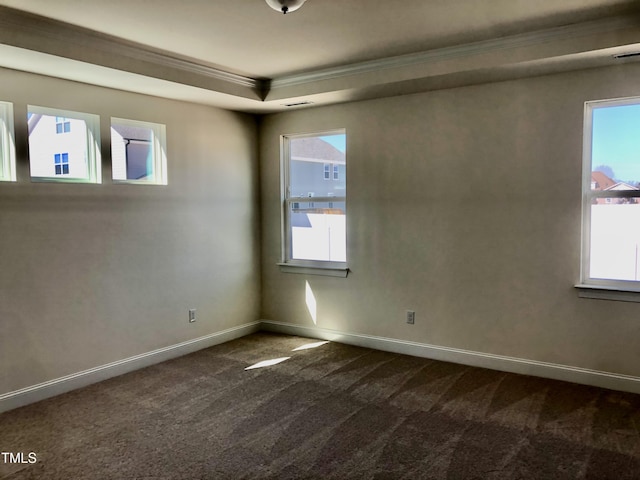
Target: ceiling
(242, 55)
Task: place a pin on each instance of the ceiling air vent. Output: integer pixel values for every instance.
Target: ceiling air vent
(627, 55)
(297, 104)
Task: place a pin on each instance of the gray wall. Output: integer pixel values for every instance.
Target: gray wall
(92, 274)
(465, 206)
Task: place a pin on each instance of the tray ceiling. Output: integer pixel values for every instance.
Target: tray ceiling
(242, 55)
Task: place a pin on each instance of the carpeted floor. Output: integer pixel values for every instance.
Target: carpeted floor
(330, 412)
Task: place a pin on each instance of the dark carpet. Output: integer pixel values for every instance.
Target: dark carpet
(330, 412)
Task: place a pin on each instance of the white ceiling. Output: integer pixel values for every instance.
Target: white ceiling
(326, 37)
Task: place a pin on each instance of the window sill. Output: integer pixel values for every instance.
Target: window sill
(603, 292)
(328, 271)
(88, 181)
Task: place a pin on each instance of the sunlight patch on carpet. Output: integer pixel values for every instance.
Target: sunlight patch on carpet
(309, 346)
(267, 363)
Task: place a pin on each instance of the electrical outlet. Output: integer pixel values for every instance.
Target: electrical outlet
(192, 315)
(411, 317)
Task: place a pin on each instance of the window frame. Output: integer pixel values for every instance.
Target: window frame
(287, 263)
(158, 148)
(94, 156)
(601, 288)
(7, 143)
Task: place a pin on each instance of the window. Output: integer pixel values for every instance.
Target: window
(72, 157)
(611, 195)
(61, 163)
(7, 145)
(314, 231)
(336, 175)
(138, 152)
(62, 125)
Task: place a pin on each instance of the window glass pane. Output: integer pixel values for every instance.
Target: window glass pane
(615, 239)
(615, 163)
(45, 144)
(137, 151)
(318, 231)
(307, 168)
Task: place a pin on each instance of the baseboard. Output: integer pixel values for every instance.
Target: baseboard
(522, 366)
(35, 393)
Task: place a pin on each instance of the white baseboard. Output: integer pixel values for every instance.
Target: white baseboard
(522, 366)
(35, 393)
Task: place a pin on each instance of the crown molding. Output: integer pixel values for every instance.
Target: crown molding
(567, 32)
(44, 29)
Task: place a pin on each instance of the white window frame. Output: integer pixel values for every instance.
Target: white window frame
(94, 158)
(289, 264)
(610, 289)
(158, 147)
(7, 137)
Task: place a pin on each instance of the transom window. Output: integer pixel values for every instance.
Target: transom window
(138, 152)
(611, 194)
(314, 210)
(72, 157)
(7, 145)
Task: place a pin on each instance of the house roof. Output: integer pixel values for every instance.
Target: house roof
(602, 181)
(314, 149)
(621, 186)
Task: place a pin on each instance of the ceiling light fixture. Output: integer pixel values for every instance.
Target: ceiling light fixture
(285, 6)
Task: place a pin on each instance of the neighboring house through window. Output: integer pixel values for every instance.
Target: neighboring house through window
(71, 157)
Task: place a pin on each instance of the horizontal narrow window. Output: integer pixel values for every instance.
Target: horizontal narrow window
(7, 143)
(64, 146)
(138, 152)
